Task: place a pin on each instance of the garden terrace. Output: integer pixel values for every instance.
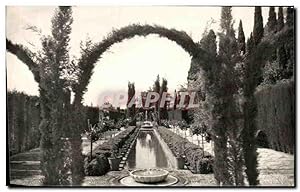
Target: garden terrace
(198, 161)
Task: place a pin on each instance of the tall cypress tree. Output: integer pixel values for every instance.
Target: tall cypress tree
(157, 88)
(290, 43)
(228, 157)
(272, 21)
(272, 28)
(282, 56)
(258, 30)
(252, 77)
(290, 17)
(131, 95)
(280, 21)
(164, 88)
(54, 61)
(241, 39)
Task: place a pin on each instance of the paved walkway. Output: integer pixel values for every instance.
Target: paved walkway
(275, 167)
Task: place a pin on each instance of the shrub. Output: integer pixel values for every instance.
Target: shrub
(198, 161)
(97, 166)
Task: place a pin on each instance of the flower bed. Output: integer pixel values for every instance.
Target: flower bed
(113, 147)
(198, 161)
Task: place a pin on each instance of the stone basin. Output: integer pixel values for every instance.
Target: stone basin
(149, 175)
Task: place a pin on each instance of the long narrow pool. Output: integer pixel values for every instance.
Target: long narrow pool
(146, 152)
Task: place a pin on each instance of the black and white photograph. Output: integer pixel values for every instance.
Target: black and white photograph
(184, 96)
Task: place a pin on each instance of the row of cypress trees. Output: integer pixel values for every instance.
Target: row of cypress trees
(231, 78)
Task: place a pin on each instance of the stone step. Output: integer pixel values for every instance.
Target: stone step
(33, 178)
(28, 156)
(25, 165)
(19, 173)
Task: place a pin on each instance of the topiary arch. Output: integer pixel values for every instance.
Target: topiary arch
(85, 66)
(116, 36)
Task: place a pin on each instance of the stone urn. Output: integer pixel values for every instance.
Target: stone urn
(114, 162)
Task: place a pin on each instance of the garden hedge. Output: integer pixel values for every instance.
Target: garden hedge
(198, 161)
(276, 114)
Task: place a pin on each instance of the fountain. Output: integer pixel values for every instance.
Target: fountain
(150, 175)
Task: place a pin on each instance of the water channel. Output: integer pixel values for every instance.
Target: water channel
(147, 152)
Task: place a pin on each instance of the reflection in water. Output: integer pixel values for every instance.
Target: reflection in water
(147, 152)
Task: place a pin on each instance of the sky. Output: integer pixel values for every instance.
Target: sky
(138, 60)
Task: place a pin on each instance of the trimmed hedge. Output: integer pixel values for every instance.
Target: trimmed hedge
(276, 114)
(23, 119)
(181, 147)
(99, 165)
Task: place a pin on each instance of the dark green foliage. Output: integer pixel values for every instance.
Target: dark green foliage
(258, 30)
(275, 114)
(199, 161)
(272, 21)
(241, 39)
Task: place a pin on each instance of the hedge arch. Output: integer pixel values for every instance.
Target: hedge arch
(128, 32)
(85, 66)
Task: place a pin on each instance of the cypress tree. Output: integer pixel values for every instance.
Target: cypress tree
(272, 22)
(241, 39)
(252, 77)
(290, 43)
(164, 88)
(272, 28)
(131, 94)
(249, 107)
(290, 17)
(226, 20)
(157, 88)
(250, 44)
(228, 156)
(280, 21)
(212, 84)
(258, 30)
(282, 56)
